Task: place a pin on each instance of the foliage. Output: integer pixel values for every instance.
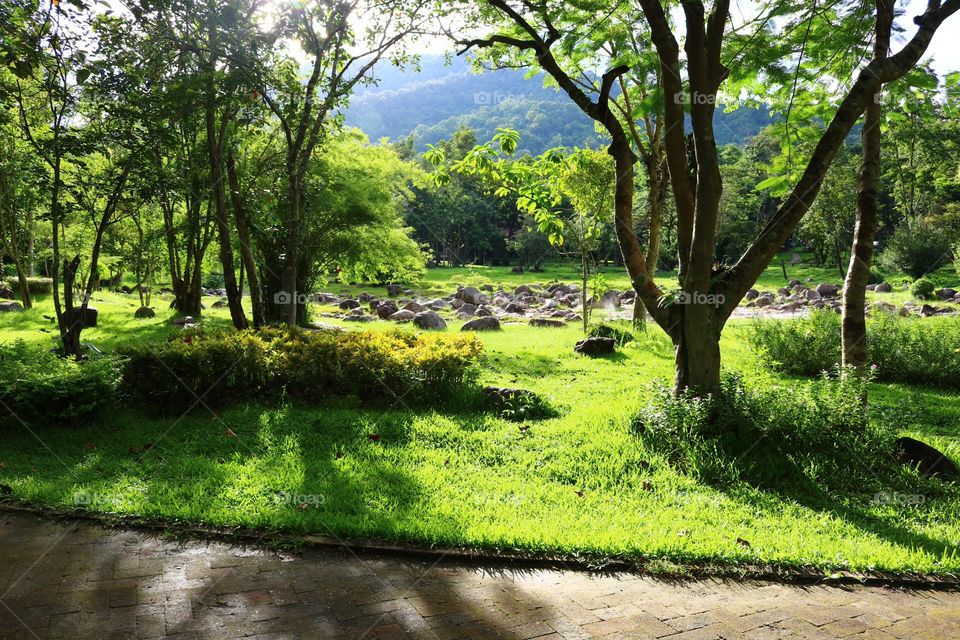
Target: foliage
(621, 332)
(923, 289)
(911, 350)
(37, 286)
(39, 387)
(769, 435)
(916, 249)
(221, 367)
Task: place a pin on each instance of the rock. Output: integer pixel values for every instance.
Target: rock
(546, 322)
(350, 304)
(828, 290)
(946, 293)
(145, 312)
(610, 298)
(438, 304)
(386, 309)
(90, 316)
(515, 307)
(322, 326)
(10, 307)
(522, 290)
(926, 459)
(487, 323)
(811, 295)
(764, 301)
(926, 311)
(752, 294)
(883, 287)
(183, 322)
(326, 298)
(467, 309)
(219, 304)
(483, 312)
(416, 307)
(6, 294)
(366, 297)
(794, 283)
(456, 303)
(596, 346)
(357, 315)
(429, 321)
(403, 315)
(783, 291)
(393, 290)
(472, 295)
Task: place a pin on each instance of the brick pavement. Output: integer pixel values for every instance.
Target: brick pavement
(79, 580)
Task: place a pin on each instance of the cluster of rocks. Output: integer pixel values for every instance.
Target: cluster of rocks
(483, 308)
(798, 297)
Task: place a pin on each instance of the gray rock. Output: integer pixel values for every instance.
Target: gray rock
(415, 307)
(596, 346)
(467, 309)
(393, 290)
(883, 287)
(828, 290)
(472, 295)
(488, 323)
(350, 304)
(946, 293)
(10, 307)
(6, 294)
(403, 315)
(546, 322)
(145, 312)
(183, 322)
(515, 307)
(752, 294)
(429, 321)
(386, 309)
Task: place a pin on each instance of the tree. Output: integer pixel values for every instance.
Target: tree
(695, 320)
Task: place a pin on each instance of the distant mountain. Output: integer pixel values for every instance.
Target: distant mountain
(432, 103)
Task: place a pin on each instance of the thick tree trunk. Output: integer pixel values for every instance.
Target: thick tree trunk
(246, 249)
(854, 325)
(696, 344)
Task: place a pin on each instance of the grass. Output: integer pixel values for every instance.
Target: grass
(581, 483)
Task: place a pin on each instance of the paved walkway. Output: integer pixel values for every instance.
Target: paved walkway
(78, 580)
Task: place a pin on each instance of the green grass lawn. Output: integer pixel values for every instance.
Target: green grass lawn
(581, 483)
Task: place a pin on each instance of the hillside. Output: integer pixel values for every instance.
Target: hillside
(432, 103)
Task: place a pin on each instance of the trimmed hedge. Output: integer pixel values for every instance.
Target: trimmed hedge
(37, 286)
(396, 367)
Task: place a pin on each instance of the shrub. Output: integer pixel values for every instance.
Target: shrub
(916, 249)
(621, 332)
(221, 367)
(771, 436)
(37, 386)
(922, 289)
(909, 350)
(875, 277)
(37, 286)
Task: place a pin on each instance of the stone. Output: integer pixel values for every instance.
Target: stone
(386, 309)
(456, 303)
(883, 287)
(144, 312)
(828, 290)
(927, 460)
(546, 322)
(10, 307)
(487, 323)
(366, 297)
(926, 311)
(483, 312)
(403, 315)
(764, 301)
(946, 293)
(429, 321)
(393, 290)
(472, 295)
(350, 304)
(322, 326)
(183, 322)
(219, 304)
(416, 307)
(438, 304)
(515, 307)
(357, 315)
(752, 294)
(610, 298)
(596, 346)
(6, 294)
(522, 290)
(811, 295)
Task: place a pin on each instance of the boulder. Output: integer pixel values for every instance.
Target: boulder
(883, 287)
(366, 297)
(596, 346)
(429, 321)
(487, 323)
(610, 298)
(350, 304)
(472, 295)
(183, 322)
(752, 294)
(926, 311)
(456, 303)
(386, 309)
(393, 290)
(828, 290)
(522, 290)
(403, 315)
(926, 459)
(515, 307)
(546, 322)
(10, 307)
(438, 304)
(322, 326)
(219, 304)
(416, 307)
(357, 315)
(764, 301)
(811, 295)
(6, 294)
(946, 293)
(483, 312)
(467, 309)
(144, 312)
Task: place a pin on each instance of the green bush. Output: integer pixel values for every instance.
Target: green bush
(621, 332)
(769, 435)
(223, 367)
(38, 387)
(875, 277)
(37, 286)
(911, 350)
(916, 249)
(922, 289)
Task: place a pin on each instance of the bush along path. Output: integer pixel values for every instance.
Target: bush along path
(81, 580)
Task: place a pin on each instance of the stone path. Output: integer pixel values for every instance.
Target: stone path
(78, 580)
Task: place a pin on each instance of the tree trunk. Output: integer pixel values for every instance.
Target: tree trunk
(25, 299)
(854, 324)
(246, 249)
(289, 294)
(696, 343)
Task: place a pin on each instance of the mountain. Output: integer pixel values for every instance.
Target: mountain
(432, 103)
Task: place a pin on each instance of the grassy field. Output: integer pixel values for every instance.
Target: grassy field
(581, 483)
